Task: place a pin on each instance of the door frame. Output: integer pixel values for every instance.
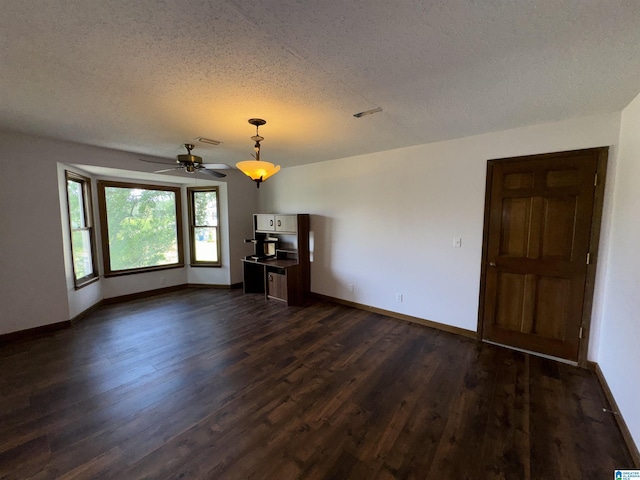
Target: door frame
(594, 239)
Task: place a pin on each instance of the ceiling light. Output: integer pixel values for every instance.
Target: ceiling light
(257, 170)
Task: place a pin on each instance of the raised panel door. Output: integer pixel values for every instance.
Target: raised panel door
(539, 225)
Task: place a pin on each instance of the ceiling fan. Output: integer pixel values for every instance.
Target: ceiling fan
(190, 163)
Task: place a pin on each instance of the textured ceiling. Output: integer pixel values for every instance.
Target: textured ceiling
(146, 76)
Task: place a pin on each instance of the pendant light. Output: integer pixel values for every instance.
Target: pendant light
(257, 170)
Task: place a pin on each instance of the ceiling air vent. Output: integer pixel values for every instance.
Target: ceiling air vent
(208, 141)
(367, 112)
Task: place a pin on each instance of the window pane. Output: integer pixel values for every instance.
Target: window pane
(206, 208)
(81, 245)
(76, 204)
(206, 244)
(142, 227)
(80, 226)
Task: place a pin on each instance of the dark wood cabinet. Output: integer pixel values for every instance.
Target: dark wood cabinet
(277, 287)
(284, 274)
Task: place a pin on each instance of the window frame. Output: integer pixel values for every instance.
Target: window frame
(87, 201)
(192, 226)
(102, 208)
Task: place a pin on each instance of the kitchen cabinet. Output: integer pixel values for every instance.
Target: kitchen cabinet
(266, 222)
(286, 223)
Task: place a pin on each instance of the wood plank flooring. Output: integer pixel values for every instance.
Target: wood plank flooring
(216, 384)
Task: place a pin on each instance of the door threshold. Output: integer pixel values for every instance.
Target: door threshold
(537, 354)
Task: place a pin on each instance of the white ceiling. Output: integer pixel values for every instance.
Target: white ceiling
(148, 75)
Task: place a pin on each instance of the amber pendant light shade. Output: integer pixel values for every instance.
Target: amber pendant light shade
(257, 170)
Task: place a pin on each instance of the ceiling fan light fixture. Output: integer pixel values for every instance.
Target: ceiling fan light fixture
(193, 159)
(191, 164)
(257, 170)
(188, 158)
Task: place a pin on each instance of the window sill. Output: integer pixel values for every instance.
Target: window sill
(120, 273)
(84, 283)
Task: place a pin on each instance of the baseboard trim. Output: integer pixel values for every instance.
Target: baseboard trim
(86, 312)
(42, 330)
(35, 332)
(400, 316)
(161, 291)
(209, 285)
(145, 294)
(622, 425)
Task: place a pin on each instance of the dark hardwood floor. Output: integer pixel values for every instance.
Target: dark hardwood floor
(215, 384)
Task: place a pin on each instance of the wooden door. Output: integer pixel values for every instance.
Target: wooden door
(541, 231)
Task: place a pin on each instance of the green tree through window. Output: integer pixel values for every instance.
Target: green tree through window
(142, 226)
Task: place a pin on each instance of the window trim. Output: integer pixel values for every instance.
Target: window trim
(192, 246)
(102, 208)
(85, 184)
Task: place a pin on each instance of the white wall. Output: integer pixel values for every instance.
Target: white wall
(385, 222)
(619, 347)
(32, 276)
(35, 265)
(242, 205)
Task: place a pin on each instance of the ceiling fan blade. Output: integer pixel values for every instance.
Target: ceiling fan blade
(167, 170)
(212, 172)
(215, 166)
(169, 162)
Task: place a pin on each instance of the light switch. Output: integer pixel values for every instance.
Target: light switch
(457, 242)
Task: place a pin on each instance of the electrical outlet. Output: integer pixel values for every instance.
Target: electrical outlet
(399, 297)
